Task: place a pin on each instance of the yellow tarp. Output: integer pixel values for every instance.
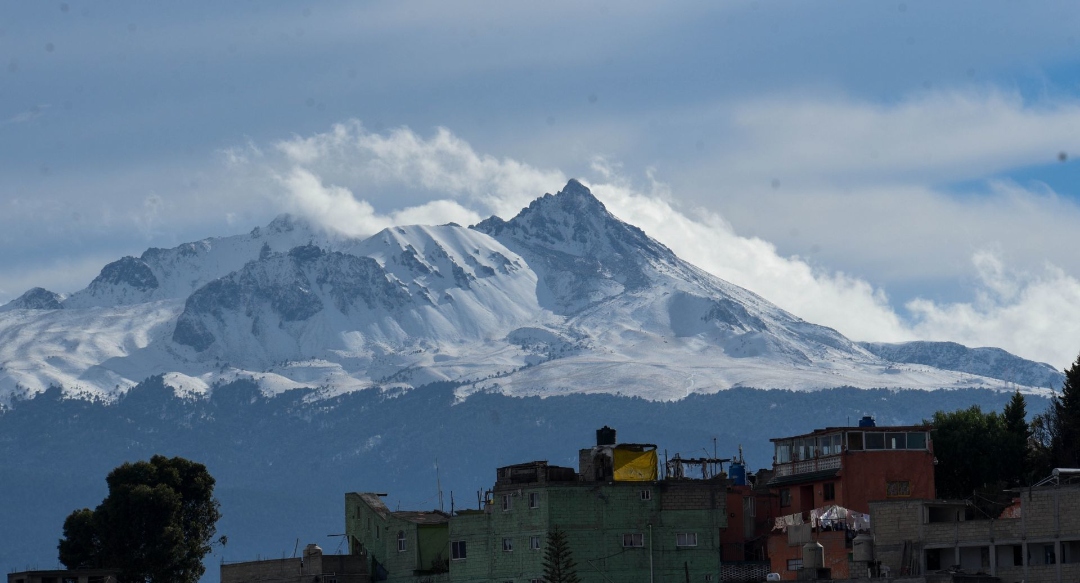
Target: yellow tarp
(635, 466)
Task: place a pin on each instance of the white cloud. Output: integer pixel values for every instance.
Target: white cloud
(1033, 315)
(399, 165)
(358, 182)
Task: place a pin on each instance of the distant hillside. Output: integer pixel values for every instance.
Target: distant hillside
(987, 362)
(283, 463)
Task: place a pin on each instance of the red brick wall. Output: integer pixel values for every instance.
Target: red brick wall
(865, 475)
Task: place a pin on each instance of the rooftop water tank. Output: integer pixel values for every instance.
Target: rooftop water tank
(813, 556)
(867, 421)
(862, 548)
(737, 473)
(605, 436)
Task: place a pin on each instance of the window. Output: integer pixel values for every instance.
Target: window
(508, 502)
(854, 441)
(828, 491)
(874, 440)
(457, 550)
(534, 542)
(534, 499)
(536, 581)
(794, 564)
(71, 580)
(785, 498)
(329, 579)
(400, 541)
(508, 544)
(897, 489)
(916, 440)
(750, 506)
(895, 441)
(805, 449)
(829, 444)
(646, 494)
(686, 539)
(783, 452)
(376, 531)
(633, 539)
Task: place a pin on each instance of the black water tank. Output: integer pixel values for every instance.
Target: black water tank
(605, 436)
(866, 421)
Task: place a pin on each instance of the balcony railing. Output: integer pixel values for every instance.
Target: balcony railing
(831, 462)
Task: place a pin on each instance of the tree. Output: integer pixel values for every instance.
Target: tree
(961, 441)
(1015, 439)
(1057, 431)
(155, 526)
(559, 566)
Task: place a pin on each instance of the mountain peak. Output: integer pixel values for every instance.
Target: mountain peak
(35, 299)
(575, 197)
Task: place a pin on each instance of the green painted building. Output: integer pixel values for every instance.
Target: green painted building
(623, 522)
(625, 531)
(407, 546)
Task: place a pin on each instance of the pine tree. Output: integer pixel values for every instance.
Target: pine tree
(559, 566)
(1057, 431)
(1066, 447)
(1014, 447)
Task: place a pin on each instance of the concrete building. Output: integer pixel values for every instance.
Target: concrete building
(400, 546)
(64, 576)
(1037, 540)
(825, 481)
(623, 520)
(312, 567)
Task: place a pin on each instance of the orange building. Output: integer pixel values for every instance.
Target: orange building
(825, 482)
(752, 510)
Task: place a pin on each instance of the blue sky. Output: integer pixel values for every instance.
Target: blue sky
(891, 169)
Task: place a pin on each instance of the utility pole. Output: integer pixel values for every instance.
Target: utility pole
(650, 555)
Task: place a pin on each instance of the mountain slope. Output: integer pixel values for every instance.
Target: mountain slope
(988, 362)
(562, 298)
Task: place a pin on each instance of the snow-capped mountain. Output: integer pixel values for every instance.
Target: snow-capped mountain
(563, 298)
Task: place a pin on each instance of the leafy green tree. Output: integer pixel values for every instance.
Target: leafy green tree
(559, 565)
(80, 547)
(155, 526)
(962, 440)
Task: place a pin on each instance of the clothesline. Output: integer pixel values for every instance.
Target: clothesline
(830, 517)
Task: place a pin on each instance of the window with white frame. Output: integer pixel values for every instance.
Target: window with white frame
(646, 494)
(534, 542)
(400, 540)
(507, 502)
(794, 564)
(686, 539)
(633, 539)
(508, 545)
(534, 499)
(458, 550)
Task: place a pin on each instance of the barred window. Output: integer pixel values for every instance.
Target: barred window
(898, 489)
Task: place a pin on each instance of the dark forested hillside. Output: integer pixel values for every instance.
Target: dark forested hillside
(283, 463)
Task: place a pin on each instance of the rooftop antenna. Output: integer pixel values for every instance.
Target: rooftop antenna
(438, 484)
(296, 546)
